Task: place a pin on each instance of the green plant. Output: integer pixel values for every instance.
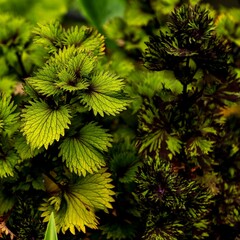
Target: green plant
(52, 143)
(51, 232)
(113, 149)
(188, 184)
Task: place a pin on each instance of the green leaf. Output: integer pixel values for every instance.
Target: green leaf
(155, 82)
(7, 83)
(153, 141)
(98, 12)
(119, 229)
(43, 124)
(8, 116)
(51, 232)
(124, 162)
(23, 149)
(67, 70)
(135, 16)
(6, 202)
(15, 30)
(85, 39)
(198, 146)
(7, 164)
(48, 36)
(77, 205)
(104, 94)
(36, 11)
(84, 153)
(174, 144)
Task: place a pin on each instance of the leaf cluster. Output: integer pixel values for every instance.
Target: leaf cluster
(50, 143)
(184, 130)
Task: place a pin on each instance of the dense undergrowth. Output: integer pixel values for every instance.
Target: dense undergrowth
(121, 118)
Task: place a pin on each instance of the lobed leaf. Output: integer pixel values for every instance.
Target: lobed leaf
(174, 144)
(198, 146)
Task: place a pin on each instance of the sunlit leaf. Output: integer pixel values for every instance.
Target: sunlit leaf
(85, 39)
(231, 111)
(51, 233)
(103, 95)
(43, 124)
(75, 207)
(84, 153)
(67, 70)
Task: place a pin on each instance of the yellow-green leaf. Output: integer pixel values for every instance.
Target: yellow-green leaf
(198, 146)
(43, 124)
(103, 95)
(75, 207)
(83, 153)
(51, 233)
(174, 144)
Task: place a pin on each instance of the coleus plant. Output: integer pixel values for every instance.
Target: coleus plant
(52, 155)
(54, 137)
(189, 141)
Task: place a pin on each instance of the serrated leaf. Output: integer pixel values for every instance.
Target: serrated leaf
(44, 81)
(174, 144)
(84, 153)
(6, 202)
(104, 94)
(67, 70)
(198, 146)
(157, 81)
(124, 162)
(207, 130)
(79, 202)
(23, 149)
(85, 39)
(48, 35)
(7, 164)
(153, 141)
(43, 124)
(8, 117)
